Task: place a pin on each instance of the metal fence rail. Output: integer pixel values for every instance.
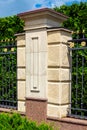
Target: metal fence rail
(8, 75)
(78, 51)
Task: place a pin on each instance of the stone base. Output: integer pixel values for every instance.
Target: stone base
(57, 111)
(36, 109)
(67, 123)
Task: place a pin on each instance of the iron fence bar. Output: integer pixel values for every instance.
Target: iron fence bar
(79, 48)
(7, 53)
(2, 82)
(78, 40)
(11, 107)
(5, 72)
(11, 87)
(9, 76)
(7, 101)
(77, 116)
(76, 102)
(12, 80)
(8, 46)
(82, 82)
(79, 109)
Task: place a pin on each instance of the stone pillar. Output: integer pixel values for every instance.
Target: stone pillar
(58, 72)
(37, 92)
(21, 72)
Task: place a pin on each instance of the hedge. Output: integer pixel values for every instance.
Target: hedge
(16, 122)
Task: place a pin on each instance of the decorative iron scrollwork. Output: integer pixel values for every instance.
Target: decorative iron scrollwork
(83, 43)
(5, 49)
(71, 44)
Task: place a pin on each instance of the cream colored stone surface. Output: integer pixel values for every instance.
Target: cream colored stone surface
(21, 40)
(64, 59)
(58, 93)
(57, 111)
(58, 74)
(42, 18)
(53, 36)
(40, 91)
(65, 74)
(21, 90)
(58, 55)
(21, 73)
(43, 64)
(36, 63)
(65, 94)
(21, 56)
(54, 74)
(41, 22)
(65, 36)
(21, 106)
(58, 35)
(53, 55)
(54, 92)
(41, 36)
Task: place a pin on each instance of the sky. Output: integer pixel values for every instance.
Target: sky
(14, 7)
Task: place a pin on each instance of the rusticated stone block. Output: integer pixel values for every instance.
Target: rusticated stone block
(21, 56)
(21, 73)
(59, 93)
(21, 90)
(57, 111)
(21, 106)
(21, 40)
(53, 55)
(53, 36)
(59, 74)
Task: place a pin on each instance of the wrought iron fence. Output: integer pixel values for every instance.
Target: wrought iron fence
(78, 52)
(8, 75)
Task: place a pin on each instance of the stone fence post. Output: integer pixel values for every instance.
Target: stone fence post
(43, 65)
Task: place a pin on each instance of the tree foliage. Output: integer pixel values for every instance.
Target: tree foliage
(77, 16)
(15, 121)
(10, 26)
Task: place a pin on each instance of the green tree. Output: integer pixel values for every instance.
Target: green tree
(10, 26)
(77, 16)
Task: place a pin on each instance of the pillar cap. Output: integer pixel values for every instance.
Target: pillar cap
(40, 18)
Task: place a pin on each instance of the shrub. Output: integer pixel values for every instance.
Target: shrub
(16, 122)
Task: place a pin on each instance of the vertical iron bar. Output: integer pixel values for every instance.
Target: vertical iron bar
(5, 81)
(12, 82)
(9, 78)
(76, 103)
(3, 85)
(76, 81)
(82, 83)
